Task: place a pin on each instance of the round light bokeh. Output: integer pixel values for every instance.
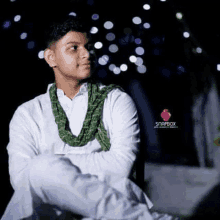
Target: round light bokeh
(94, 30)
(108, 25)
(123, 67)
(113, 48)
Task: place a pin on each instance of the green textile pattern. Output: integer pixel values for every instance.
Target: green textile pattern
(92, 126)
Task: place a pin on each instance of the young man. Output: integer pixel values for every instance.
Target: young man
(72, 148)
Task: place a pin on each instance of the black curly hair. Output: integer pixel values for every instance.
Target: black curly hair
(61, 26)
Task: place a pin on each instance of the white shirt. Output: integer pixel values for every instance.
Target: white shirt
(33, 131)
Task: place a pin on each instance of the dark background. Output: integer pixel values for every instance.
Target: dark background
(24, 75)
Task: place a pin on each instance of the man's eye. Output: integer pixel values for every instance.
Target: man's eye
(75, 47)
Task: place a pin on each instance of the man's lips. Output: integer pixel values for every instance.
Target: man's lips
(84, 64)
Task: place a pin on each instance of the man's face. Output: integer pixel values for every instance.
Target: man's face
(72, 57)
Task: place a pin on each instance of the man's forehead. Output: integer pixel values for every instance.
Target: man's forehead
(73, 36)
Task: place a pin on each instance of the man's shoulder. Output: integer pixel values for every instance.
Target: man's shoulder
(117, 94)
(34, 104)
(116, 89)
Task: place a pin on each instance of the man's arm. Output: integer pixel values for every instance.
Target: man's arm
(21, 149)
(124, 139)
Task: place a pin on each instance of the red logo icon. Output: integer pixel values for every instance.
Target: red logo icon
(165, 115)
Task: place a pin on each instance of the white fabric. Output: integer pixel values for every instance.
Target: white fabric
(33, 132)
(206, 119)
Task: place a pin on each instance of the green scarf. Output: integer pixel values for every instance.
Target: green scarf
(93, 125)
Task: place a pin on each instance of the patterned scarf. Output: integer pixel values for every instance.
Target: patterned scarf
(93, 125)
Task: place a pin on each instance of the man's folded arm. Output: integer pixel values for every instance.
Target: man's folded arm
(21, 149)
(124, 139)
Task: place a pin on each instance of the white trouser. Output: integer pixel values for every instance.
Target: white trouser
(54, 180)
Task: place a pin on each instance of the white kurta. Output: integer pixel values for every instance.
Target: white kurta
(34, 137)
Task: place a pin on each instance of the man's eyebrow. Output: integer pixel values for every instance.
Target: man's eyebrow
(74, 42)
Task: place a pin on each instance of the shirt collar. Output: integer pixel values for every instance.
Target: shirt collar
(60, 93)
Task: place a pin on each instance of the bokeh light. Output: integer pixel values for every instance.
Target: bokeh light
(110, 36)
(138, 41)
(186, 34)
(133, 58)
(139, 61)
(94, 30)
(139, 50)
(30, 45)
(41, 54)
(146, 7)
(142, 69)
(108, 25)
(17, 18)
(136, 20)
(111, 67)
(199, 50)
(113, 48)
(72, 14)
(23, 36)
(95, 17)
(179, 15)
(6, 24)
(98, 45)
(146, 25)
(116, 70)
(123, 67)
(106, 58)
(102, 61)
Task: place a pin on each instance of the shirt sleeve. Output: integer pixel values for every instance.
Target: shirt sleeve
(21, 149)
(124, 134)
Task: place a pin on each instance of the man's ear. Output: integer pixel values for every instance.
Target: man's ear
(49, 56)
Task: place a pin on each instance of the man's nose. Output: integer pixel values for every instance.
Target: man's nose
(85, 53)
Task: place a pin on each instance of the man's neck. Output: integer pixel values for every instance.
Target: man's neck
(69, 87)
